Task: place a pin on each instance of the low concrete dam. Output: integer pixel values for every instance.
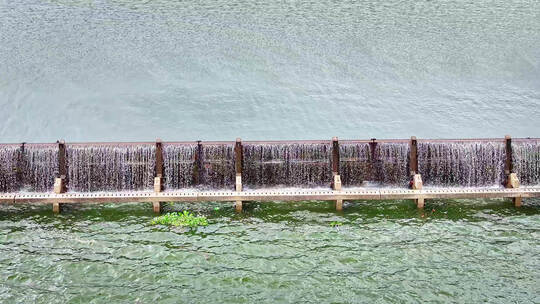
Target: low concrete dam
(273, 170)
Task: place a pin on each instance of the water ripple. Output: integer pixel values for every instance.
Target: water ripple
(459, 251)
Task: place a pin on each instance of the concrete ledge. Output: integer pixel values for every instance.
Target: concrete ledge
(271, 195)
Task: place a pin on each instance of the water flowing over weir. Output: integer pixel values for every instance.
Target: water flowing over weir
(9, 158)
(29, 167)
(362, 165)
(526, 161)
(216, 166)
(204, 166)
(180, 166)
(383, 163)
(462, 163)
(40, 163)
(287, 164)
(110, 167)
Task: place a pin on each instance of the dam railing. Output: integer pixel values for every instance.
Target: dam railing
(239, 170)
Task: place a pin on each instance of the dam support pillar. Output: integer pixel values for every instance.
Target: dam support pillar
(417, 184)
(336, 178)
(61, 181)
(416, 181)
(337, 187)
(339, 205)
(157, 189)
(59, 185)
(158, 184)
(59, 188)
(56, 207)
(238, 162)
(158, 179)
(413, 157)
(512, 181)
(157, 207)
(420, 202)
(238, 186)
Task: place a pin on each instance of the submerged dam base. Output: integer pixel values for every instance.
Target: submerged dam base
(238, 171)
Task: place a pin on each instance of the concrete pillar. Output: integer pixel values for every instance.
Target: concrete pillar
(413, 159)
(337, 182)
(59, 188)
(336, 185)
(419, 202)
(157, 188)
(238, 206)
(159, 158)
(238, 183)
(335, 155)
(339, 205)
(238, 166)
(508, 164)
(59, 185)
(157, 207)
(417, 184)
(238, 186)
(513, 182)
(158, 184)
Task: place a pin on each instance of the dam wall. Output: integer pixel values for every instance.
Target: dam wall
(98, 167)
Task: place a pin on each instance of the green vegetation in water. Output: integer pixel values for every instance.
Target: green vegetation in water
(186, 219)
(336, 224)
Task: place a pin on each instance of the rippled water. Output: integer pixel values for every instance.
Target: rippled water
(466, 251)
(187, 70)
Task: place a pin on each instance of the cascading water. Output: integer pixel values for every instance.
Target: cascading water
(40, 167)
(179, 163)
(392, 163)
(354, 163)
(32, 168)
(9, 159)
(110, 167)
(208, 166)
(288, 165)
(466, 164)
(526, 161)
(217, 166)
(383, 163)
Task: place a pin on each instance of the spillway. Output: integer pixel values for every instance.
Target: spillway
(282, 170)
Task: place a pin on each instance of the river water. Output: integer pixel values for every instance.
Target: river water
(466, 251)
(122, 70)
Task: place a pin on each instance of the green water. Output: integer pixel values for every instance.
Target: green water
(385, 252)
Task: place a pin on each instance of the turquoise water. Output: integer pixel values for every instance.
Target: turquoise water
(465, 251)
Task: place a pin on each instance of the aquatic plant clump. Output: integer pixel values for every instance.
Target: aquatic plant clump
(186, 219)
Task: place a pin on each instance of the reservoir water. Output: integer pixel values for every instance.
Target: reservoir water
(93, 70)
(123, 70)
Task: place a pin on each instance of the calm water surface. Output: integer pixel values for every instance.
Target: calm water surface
(216, 70)
(466, 251)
